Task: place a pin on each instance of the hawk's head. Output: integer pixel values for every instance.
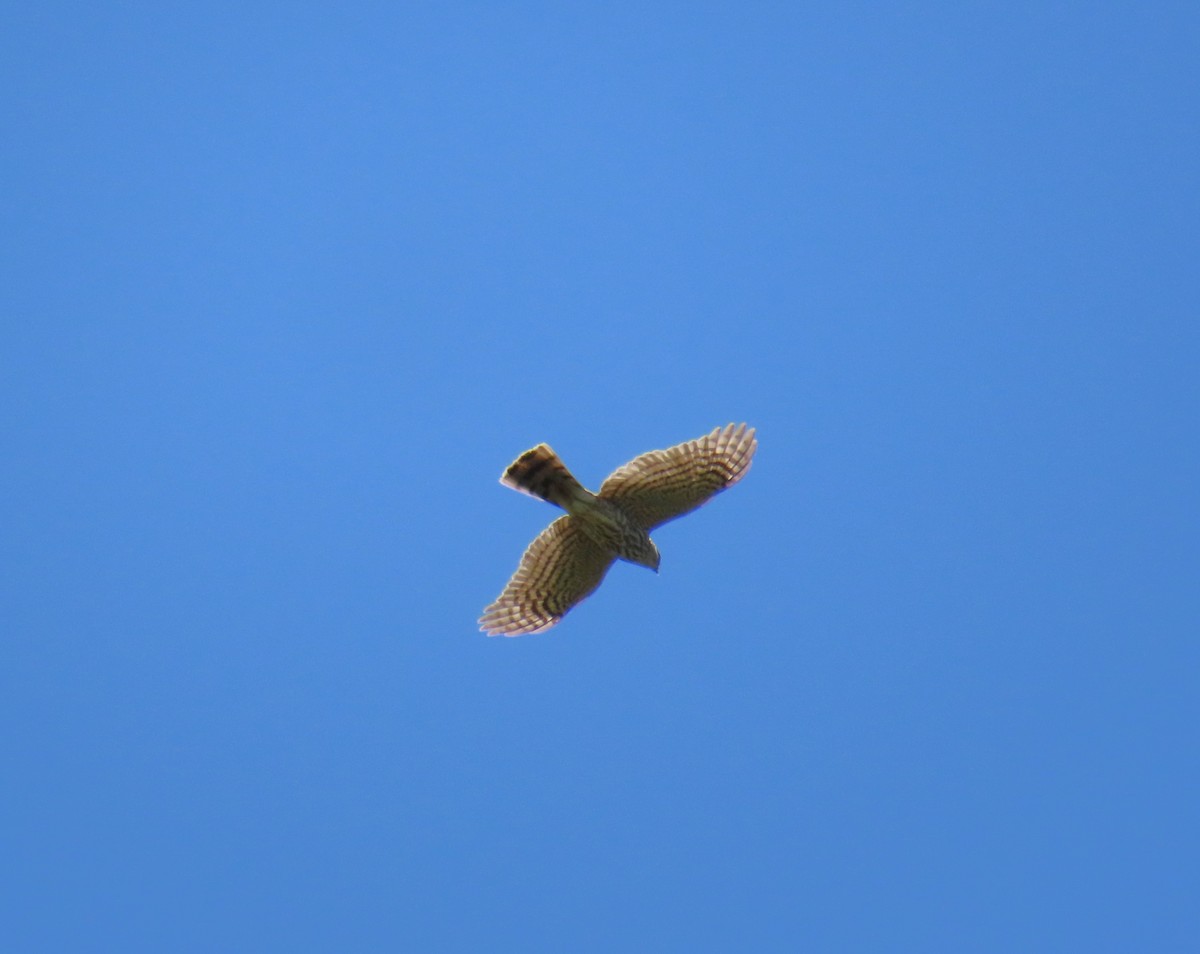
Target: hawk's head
(644, 553)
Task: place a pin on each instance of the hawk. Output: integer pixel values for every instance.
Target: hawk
(569, 558)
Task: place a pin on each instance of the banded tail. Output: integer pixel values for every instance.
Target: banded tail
(540, 473)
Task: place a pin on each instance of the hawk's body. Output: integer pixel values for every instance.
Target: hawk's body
(569, 559)
(540, 472)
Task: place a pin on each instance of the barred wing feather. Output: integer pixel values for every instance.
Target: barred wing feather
(560, 568)
(665, 484)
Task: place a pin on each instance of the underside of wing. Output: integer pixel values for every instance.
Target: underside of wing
(560, 568)
(662, 485)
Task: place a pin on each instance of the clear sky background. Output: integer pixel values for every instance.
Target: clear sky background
(286, 286)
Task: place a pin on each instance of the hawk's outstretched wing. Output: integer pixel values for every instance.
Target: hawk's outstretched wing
(562, 566)
(662, 485)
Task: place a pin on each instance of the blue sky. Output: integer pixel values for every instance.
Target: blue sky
(285, 287)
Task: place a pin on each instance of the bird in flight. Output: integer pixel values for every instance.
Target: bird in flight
(569, 558)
